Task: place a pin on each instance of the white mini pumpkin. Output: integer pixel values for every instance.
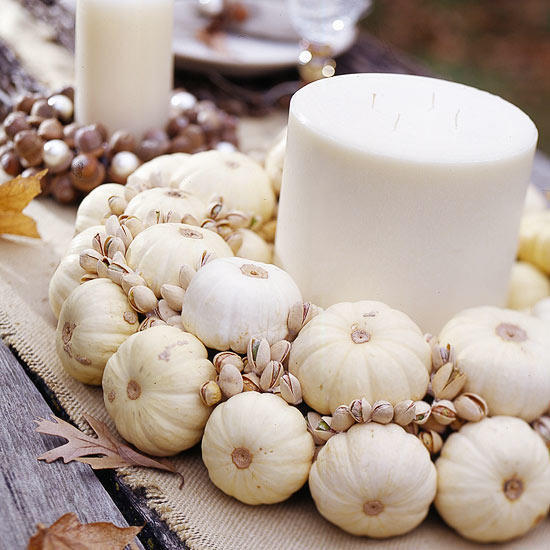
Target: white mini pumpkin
(165, 200)
(158, 252)
(362, 349)
(242, 182)
(505, 355)
(527, 286)
(231, 300)
(375, 480)
(534, 240)
(493, 479)
(64, 280)
(253, 247)
(155, 173)
(94, 320)
(257, 448)
(151, 390)
(94, 208)
(542, 309)
(83, 240)
(274, 162)
(534, 200)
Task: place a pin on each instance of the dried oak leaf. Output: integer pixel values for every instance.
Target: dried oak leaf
(80, 447)
(67, 533)
(14, 197)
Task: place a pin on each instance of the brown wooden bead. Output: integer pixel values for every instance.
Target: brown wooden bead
(62, 189)
(29, 147)
(122, 165)
(15, 122)
(148, 149)
(7, 147)
(176, 125)
(50, 128)
(210, 120)
(42, 109)
(69, 132)
(121, 140)
(66, 91)
(25, 102)
(196, 136)
(181, 144)
(87, 172)
(10, 164)
(89, 140)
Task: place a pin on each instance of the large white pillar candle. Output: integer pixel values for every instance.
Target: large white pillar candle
(403, 189)
(124, 63)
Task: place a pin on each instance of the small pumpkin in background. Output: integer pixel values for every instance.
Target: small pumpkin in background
(151, 390)
(240, 181)
(505, 355)
(155, 173)
(252, 246)
(527, 286)
(535, 200)
(534, 240)
(257, 448)
(231, 300)
(362, 349)
(94, 320)
(64, 280)
(493, 479)
(542, 309)
(94, 208)
(275, 160)
(165, 199)
(374, 480)
(159, 251)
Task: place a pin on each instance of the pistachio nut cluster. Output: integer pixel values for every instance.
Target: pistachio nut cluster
(262, 370)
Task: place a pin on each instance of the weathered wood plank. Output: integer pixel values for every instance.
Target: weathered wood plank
(155, 535)
(34, 492)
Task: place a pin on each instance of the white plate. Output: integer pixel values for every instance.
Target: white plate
(241, 54)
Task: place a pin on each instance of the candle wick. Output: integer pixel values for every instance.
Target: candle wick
(456, 119)
(396, 121)
(373, 100)
(432, 107)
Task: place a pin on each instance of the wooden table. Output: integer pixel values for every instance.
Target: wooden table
(32, 491)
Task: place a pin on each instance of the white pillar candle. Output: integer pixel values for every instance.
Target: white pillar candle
(403, 189)
(124, 63)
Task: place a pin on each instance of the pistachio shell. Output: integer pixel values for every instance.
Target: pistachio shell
(404, 412)
(210, 393)
(342, 419)
(290, 388)
(142, 298)
(471, 407)
(443, 412)
(447, 382)
(271, 375)
(382, 412)
(230, 381)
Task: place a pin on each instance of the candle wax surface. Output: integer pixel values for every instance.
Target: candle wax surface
(403, 189)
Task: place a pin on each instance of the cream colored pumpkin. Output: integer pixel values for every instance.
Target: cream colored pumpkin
(242, 182)
(253, 247)
(534, 240)
(158, 252)
(534, 200)
(493, 479)
(231, 300)
(375, 480)
(155, 173)
(257, 448)
(274, 162)
(151, 390)
(505, 355)
(362, 349)
(527, 286)
(83, 240)
(64, 280)
(94, 320)
(542, 309)
(165, 200)
(94, 208)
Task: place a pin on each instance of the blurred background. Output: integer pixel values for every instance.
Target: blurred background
(501, 46)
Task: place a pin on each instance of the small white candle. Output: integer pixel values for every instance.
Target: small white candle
(403, 189)
(124, 63)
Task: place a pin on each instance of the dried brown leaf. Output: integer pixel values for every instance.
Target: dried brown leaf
(82, 447)
(67, 533)
(14, 197)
